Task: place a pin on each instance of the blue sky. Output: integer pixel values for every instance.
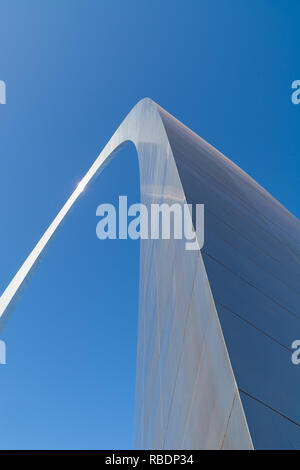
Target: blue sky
(73, 70)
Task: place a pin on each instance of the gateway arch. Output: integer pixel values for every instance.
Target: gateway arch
(215, 326)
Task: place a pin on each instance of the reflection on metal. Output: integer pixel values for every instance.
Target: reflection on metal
(186, 392)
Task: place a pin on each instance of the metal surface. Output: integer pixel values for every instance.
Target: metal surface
(186, 393)
(251, 256)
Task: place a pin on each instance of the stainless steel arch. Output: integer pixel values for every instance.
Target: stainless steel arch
(186, 393)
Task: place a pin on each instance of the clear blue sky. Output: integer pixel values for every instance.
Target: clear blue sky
(73, 70)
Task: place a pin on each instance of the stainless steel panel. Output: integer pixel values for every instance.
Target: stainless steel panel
(251, 255)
